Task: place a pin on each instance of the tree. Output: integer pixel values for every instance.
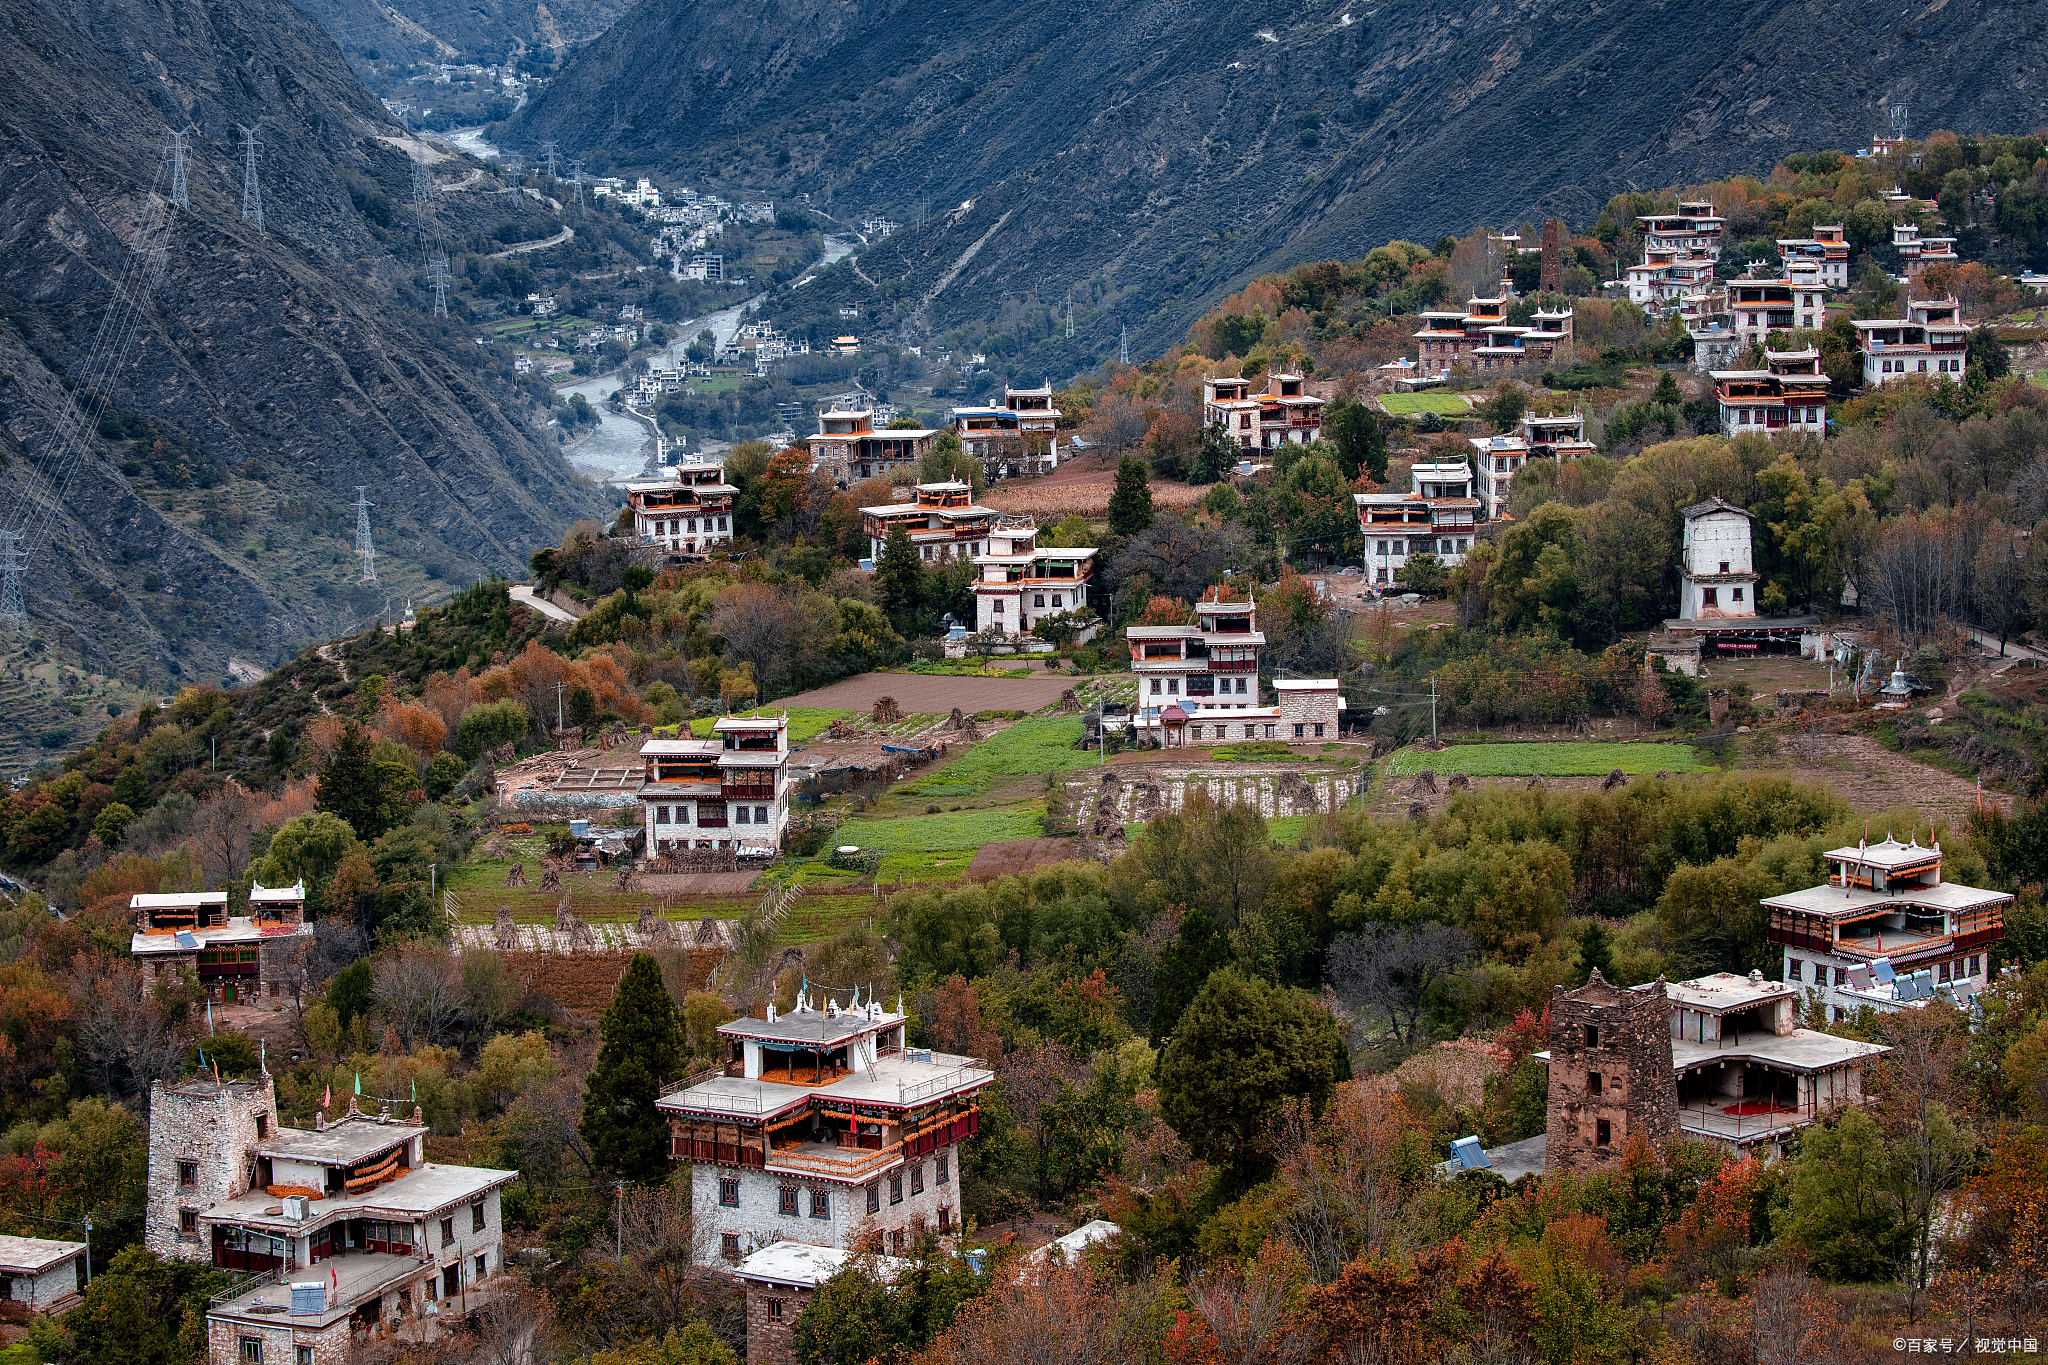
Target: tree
(142, 1311)
(642, 1047)
(489, 726)
(349, 784)
(899, 578)
(1130, 506)
(1242, 1051)
(1667, 391)
(1387, 968)
(1596, 952)
(307, 848)
(1505, 408)
(1352, 428)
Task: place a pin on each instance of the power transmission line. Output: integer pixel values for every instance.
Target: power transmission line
(437, 270)
(1070, 317)
(1123, 349)
(363, 506)
(13, 562)
(252, 192)
(547, 152)
(576, 171)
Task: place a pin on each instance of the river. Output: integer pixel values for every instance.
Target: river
(621, 446)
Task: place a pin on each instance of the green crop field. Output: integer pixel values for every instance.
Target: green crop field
(1043, 744)
(806, 723)
(1548, 760)
(1408, 404)
(949, 833)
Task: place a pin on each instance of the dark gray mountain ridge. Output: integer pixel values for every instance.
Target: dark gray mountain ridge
(1159, 155)
(287, 360)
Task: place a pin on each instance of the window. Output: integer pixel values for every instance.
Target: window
(476, 1216)
(1240, 687)
(447, 1231)
(775, 1310)
(1155, 687)
(945, 1219)
(1593, 1082)
(302, 1355)
(1058, 600)
(917, 1178)
(945, 1168)
(1173, 687)
(1792, 969)
(745, 816)
(896, 1241)
(252, 1350)
(262, 1120)
(1946, 972)
(188, 1222)
(999, 606)
(1603, 1134)
(789, 1201)
(729, 1193)
(760, 815)
(1196, 733)
(1736, 595)
(1269, 732)
(188, 1175)
(478, 1267)
(729, 1246)
(661, 815)
(896, 1188)
(1841, 975)
(1724, 566)
(451, 1281)
(1710, 598)
(1319, 731)
(875, 1198)
(821, 1204)
(1038, 599)
(1969, 966)
(1592, 1035)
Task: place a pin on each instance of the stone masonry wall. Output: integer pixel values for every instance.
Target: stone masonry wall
(214, 1127)
(1308, 710)
(1622, 1038)
(759, 1220)
(768, 1339)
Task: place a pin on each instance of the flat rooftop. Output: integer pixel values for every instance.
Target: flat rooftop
(33, 1255)
(812, 1027)
(1802, 1050)
(896, 1079)
(805, 1267)
(1886, 852)
(1833, 902)
(239, 929)
(417, 1194)
(348, 1280)
(1722, 992)
(683, 747)
(344, 1142)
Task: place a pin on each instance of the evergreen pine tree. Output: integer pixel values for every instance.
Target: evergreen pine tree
(899, 578)
(1361, 445)
(1596, 950)
(1183, 966)
(643, 1043)
(349, 784)
(1667, 390)
(1130, 506)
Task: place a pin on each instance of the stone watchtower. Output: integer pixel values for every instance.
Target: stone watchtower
(1610, 1073)
(202, 1151)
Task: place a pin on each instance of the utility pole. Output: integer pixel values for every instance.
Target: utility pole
(1070, 317)
(560, 724)
(252, 192)
(619, 1219)
(179, 194)
(363, 506)
(13, 563)
(1432, 708)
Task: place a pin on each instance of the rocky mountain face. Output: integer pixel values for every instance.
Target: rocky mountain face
(1149, 158)
(444, 30)
(272, 371)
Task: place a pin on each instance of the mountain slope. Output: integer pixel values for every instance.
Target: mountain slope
(440, 30)
(1149, 157)
(273, 371)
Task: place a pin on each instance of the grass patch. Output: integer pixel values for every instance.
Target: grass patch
(962, 668)
(946, 834)
(1409, 404)
(1286, 830)
(1549, 760)
(1043, 744)
(1257, 751)
(806, 723)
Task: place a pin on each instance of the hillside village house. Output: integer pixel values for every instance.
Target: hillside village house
(687, 512)
(822, 1126)
(357, 1235)
(849, 448)
(942, 520)
(1018, 584)
(1285, 412)
(237, 959)
(1717, 575)
(1717, 1059)
(1931, 339)
(1536, 438)
(1827, 250)
(1436, 516)
(728, 792)
(1018, 439)
(1761, 307)
(1917, 252)
(41, 1275)
(1886, 932)
(1481, 337)
(780, 1279)
(1789, 395)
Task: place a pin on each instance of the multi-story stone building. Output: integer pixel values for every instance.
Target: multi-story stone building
(237, 959)
(40, 1275)
(1761, 307)
(1696, 227)
(356, 1233)
(1717, 575)
(942, 519)
(780, 1279)
(1482, 338)
(1436, 516)
(1788, 395)
(730, 791)
(685, 513)
(1917, 252)
(1497, 458)
(824, 1127)
(1019, 584)
(1932, 339)
(1717, 1059)
(1827, 251)
(1286, 412)
(1886, 932)
(1209, 664)
(849, 448)
(1017, 440)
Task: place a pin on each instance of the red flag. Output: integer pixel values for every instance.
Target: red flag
(327, 1098)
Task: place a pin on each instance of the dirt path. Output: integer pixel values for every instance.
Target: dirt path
(937, 694)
